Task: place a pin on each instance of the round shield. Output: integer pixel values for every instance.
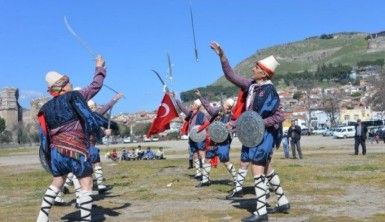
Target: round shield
(44, 159)
(218, 132)
(195, 136)
(250, 128)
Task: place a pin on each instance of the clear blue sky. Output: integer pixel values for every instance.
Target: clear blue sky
(135, 35)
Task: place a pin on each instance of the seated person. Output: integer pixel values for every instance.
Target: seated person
(159, 155)
(139, 152)
(132, 154)
(112, 155)
(124, 155)
(149, 154)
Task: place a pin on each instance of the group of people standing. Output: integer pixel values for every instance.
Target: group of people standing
(259, 95)
(70, 126)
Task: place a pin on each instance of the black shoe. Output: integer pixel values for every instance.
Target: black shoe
(198, 177)
(206, 184)
(190, 164)
(66, 190)
(234, 194)
(279, 209)
(256, 218)
(104, 190)
(60, 204)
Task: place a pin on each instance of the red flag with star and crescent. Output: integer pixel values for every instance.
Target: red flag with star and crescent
(165, 114)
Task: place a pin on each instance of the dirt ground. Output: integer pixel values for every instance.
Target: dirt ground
(329, 184)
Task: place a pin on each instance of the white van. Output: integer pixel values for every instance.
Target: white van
(344, 132)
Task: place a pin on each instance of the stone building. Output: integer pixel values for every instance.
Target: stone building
(10, 110)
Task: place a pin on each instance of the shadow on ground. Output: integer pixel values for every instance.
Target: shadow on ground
(98, 213)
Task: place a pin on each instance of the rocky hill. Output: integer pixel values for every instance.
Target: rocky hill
(345, 48)
(338, 48)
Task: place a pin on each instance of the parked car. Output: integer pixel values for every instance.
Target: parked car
(127, 140)
(184, 137)
(146, 139)
(306, 131)
(319, 131)
(344, 132)
(329, 132)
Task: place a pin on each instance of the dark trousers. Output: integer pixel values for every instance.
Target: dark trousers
(357, 141)
(296, 145)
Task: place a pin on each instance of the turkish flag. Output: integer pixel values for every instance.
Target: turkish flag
(166, 112)
(240, 105)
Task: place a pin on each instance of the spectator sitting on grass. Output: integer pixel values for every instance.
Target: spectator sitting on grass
(124, 155)
(149, 154)
(159, 155)
(132, 154)
(139, 152)
(112, 155)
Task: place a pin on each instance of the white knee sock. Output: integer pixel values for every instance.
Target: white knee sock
(206, 172)
(99, 177)
(230, 167)
(76, 182)
(60, 197)
(260, 192)
(275, 184)
(46, 204)
(198, 168)
(85, 205)
(240, 179)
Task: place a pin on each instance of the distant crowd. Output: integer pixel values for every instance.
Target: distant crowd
(136, 154)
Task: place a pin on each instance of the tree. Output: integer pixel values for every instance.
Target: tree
(5, 137)
(2, 125)
(297, 95)
(331, 107)
(377, 100)
(141, 128)
(124, 130)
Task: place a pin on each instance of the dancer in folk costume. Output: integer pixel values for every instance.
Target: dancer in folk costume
(94, 151)
(67, 123)
(94, 156)
(222, 150)
(196, 117)
(261, 97)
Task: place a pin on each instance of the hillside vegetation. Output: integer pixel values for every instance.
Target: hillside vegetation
(346, 49)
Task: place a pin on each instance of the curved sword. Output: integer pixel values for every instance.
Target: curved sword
(165, 88)
(79, 39)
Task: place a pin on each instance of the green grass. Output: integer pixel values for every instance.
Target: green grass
(352, 49)
(18, 151)
(321, 180)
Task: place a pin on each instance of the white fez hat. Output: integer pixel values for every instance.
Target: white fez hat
(268, 64)
(230, 102)
(197, 102)
(91, 103)
(52, 77)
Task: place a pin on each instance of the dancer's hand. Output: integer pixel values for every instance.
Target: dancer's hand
(217, 48)
(100, 61)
